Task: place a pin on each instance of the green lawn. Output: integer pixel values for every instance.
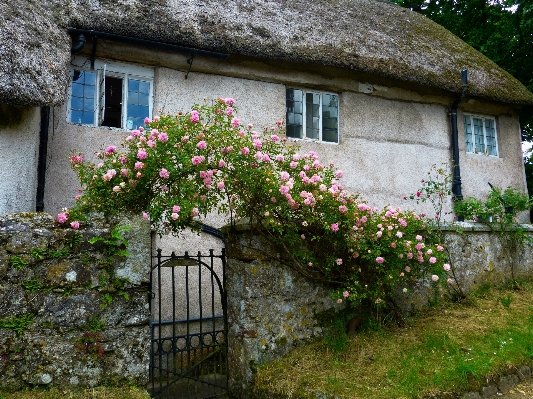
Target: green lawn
(453, 347)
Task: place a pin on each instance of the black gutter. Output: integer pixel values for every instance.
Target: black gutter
(456, 181)
(41, 165)
(147, 43)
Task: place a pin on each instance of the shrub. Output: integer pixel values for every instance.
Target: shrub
(181, 167)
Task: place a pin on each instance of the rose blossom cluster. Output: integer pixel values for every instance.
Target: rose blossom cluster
(181, 166)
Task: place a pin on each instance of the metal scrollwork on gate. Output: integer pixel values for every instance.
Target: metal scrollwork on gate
(188, 356)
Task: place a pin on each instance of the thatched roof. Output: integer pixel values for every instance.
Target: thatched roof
(369, 36)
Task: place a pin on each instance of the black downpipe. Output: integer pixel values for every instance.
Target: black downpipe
(79, 45)
(456, 181)
(41, 165)
(456, 185)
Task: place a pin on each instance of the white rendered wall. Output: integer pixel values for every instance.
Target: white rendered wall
(389, 136)
(19, 153)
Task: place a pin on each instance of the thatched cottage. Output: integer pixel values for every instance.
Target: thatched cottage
(369, 85)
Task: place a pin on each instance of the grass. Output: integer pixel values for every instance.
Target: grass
(451, 348)
(91, 393)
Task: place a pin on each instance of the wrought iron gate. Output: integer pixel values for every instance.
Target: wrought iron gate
(188, 327)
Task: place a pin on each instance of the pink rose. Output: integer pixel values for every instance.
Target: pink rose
(195, 117)
(164, 173)
(62, 217)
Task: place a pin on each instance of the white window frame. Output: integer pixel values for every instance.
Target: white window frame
(124, 71)
(304, 105)
(485, 149)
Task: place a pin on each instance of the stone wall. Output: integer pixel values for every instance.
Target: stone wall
(480, 256)
(271, 308)
(69, 315)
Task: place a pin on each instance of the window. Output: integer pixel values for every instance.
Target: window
(480, 135)
(112, 94)
(312, 115)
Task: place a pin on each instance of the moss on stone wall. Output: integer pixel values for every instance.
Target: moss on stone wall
(65, 318)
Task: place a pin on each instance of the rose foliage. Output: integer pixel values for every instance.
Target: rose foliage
(182, 167)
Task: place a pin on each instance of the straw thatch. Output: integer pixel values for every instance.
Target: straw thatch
(370, 36)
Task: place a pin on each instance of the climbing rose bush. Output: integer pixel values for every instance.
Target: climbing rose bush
(181, 167)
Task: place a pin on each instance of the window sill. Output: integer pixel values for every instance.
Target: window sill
(306, 140)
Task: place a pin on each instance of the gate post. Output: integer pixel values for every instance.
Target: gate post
(271, 309)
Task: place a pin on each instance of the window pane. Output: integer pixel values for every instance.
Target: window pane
(294, 117)
(143, 99)
(133, 97)
(77, 89)
(88, 118)
(76, 116)
(133, 85)
(468, 134)
(478, 135)
(298, 95)
(144, 87)
(88, 106)
(312, 127)
(143, 111)
(490, 132)
(330, 121)
(88, 91)
(82, 99)
(312, 114)
(76, 103)
(133, 110)
(138, 100)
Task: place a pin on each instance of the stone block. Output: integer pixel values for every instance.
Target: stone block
(506, 382)
(524, 373)
(471, 395)
(488, 391)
